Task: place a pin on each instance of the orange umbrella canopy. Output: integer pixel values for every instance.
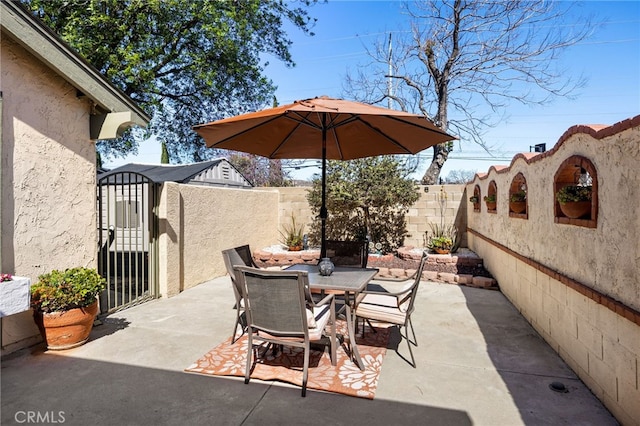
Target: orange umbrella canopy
(324, 128)
(347, 129)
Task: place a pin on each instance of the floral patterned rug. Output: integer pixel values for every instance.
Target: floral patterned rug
(346, 378)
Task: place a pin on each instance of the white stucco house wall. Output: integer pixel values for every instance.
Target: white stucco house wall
(53, 107)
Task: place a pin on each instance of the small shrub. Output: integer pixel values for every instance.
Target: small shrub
(65, 290)
(293, 234)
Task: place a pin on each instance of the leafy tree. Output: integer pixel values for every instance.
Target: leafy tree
(465, 56)
(365, 197)
(185, 62)
(164, 156)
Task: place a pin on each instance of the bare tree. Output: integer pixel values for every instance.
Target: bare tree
(467, 56)
(460, 176)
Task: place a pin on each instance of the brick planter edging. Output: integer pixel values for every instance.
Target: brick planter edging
(282, 259)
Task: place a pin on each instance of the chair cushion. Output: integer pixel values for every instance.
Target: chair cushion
(311, 320)
(322, 315)
(382, 308)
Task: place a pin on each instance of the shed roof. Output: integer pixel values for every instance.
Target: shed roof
(188, 173)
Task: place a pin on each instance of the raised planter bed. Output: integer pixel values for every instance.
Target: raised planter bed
(464, 267)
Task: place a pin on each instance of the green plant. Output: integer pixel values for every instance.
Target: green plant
(491, 198)
(474, 199)
(65, 290)
(445, 237)
(292, 235)
(572, 193)
(443, 243)
(366, 199)
(518, 196)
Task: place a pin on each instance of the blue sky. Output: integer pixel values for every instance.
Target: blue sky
(610, 60)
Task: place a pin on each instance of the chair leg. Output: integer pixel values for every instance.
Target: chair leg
(415, 340)
(242, 322)
(305, 371)
(249, 354)
(235, 330)
(413, 361)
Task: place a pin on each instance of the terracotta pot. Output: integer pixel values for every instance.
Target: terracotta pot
(576, 209)
(295, 248)
(441, 251)
(491, 205)
(66, 329)
(517, 206)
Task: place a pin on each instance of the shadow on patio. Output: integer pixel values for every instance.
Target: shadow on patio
(479, 362)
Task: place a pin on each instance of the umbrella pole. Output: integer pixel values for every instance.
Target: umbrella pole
(323, 208)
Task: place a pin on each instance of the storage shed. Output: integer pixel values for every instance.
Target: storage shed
(128, 198)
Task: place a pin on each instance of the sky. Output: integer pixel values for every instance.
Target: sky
(609, 60)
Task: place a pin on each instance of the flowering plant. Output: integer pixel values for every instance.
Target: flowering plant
(5, 277)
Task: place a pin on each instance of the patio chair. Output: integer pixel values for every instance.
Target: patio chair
(353, 254)
(280, 311)
(238, 256)
(348, 253)
(392, 308)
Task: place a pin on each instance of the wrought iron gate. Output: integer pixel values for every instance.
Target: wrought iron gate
(128, 239)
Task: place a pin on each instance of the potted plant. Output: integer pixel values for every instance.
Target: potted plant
(441, 245)
(518, 201)
(442, 239)
(65, 304)
(292, 236)
(491, 201)
(575, 200)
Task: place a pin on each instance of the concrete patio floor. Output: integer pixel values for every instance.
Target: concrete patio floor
(479, 362)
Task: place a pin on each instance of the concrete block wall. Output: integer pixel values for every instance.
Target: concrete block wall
(436, 201)
(601, 346)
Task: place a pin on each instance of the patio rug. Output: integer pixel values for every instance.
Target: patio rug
(346, 378)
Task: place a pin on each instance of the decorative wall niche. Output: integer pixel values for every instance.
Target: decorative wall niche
(575, 188)
(491, 199)
(518, 199)
(475, 198)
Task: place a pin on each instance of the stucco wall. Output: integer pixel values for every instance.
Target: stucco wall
(578, 286)
(427, 209)
(198, 222)
(606, 257)
(48, 177)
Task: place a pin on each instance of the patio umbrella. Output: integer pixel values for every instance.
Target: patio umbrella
(323, 128)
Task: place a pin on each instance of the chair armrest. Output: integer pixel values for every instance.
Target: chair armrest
(384, 293)
(327, 299)
(394, 279)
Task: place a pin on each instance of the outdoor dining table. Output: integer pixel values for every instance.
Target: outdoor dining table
(347, 279)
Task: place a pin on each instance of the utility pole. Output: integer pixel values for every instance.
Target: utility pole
(390, 79)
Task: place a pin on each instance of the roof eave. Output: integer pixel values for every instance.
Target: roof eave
(44, 44)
